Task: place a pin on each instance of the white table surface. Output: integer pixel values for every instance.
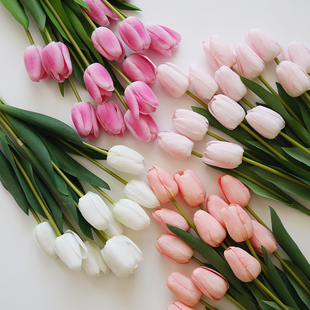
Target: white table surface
(29, 279)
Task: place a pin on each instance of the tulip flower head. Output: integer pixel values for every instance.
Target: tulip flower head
(179, 306)
(214, 206)
(299, 53)
(115, 228)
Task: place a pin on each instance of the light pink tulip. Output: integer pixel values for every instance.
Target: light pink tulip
(108, 44)
(223, 154)
(209, 228)
(173, 79)
(214, 206)
(111, 118)
(265, 121)
(144, 129)
(263, 45)
(262, 237)
(179, 306)
(174, 248)
(184, 288)
(140, 99)
(134, 34)
(56, 61)
(210, 282)
(164, 216)
(233, 190)
(238, 223)
(33, 63)
(84, 119)
(190, 124)
(98, 82)
(138, 67)
(226, 111)
(163, 39)
(176, 145)
(245, 267)
(202, 82)
(249, 63)
(162, 184)
(191, 188)
(293, 78)
(299, 53)
(230, 83)
(100, 13)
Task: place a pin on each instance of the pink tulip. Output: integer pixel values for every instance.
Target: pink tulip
(108, 44)
(226, 111)
(293, 78)
(84, 119)
(138, 67)
(163, 39)
(249, 63)
(265, 121)
(245, 267)
(190, 124)
(210, 282)
(262, 237)
(263, 45)
(33, 63)
(214, 206)
(191, 188)
(134, 34)
(219, 53)
(184, 288)
(174, 248)
(176, 145)
(233, 190)
(209, 229)
(111, 118)
(100, 13)
(223, 154)
(162, 184)
(98, 82)
(179, 306)
(230, 83)
(173, 79)
(56, 61)
(299, 53)
(140, 99)
(238, 223)
(144, 129)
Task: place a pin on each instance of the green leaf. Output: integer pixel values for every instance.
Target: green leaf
(123, 5)
(274, 305)
(17, 11)
(35, 9)
(298, 154)
(82, 4)
(259, 296)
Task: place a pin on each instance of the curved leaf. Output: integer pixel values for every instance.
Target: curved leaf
(123, 5)
(298, 154)
(17, 11)
(35, 9)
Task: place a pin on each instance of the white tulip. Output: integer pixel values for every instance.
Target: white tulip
(115, 228)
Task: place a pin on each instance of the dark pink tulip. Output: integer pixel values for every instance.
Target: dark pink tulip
(138, 67)
(56, 61)
(214, 205)
(111, 118)
(179, 306)
(98, 82)
(163, 39)
(144, 129)
(84, 119)
(134, 34)
(33, 63)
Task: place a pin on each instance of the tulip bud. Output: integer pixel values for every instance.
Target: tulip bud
(234, 191)
(214, 205)
(299, 53)
(94, 210)
(265, 121)
(115, 228)
(125, 159)
(190, 124)
(130, 214)
(226, 111)
(46, 236)
(210, 282)
(230, 83)
(245, 267)
(173, 79)
(174, 248)
(209, 229)
(223, 154)
(163, 184)
(184, 288)
(179, 306)
(176, 145)
(191, 188)
(121, 255)
(140, 192)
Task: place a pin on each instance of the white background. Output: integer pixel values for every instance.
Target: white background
(29, 279)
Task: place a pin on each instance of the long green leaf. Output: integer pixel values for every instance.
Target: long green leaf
(35, 9)
(298, 154)
(274, 305)
(123, 5)
(17, 11)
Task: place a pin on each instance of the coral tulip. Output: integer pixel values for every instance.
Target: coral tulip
(179, 306)
(299, 53)
(214, 206)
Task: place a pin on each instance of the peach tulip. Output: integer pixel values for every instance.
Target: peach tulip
(214, 206)
(179, 306)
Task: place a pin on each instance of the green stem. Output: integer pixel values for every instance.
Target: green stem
(77, 96)
(197, 99)
(121, 15)
(247, 102)
(197, 154)
(48, 36)
(234, 301)
(102, 235)
(29, 36)
(306, 98)
(35, 215)
(106, 196)
(120, 73)
(206, 305)
(97, 149)
(121, 99)
(277, 61)
(285, 136)
(257, 218)
(213, 135)
(202, 207)
(196, 260)
(89, 20)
